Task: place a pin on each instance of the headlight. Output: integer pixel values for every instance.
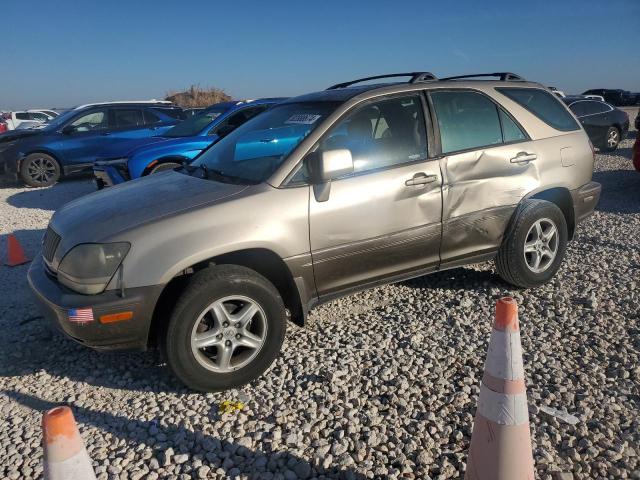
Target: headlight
(87, 268)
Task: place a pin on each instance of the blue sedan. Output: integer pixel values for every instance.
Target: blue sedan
(180, 144)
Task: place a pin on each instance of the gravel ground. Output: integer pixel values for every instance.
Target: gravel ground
(382, 384)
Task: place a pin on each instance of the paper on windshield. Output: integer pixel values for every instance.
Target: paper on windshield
(303, 119)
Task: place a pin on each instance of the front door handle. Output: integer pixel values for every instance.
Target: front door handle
(421, 179)
(524, 157)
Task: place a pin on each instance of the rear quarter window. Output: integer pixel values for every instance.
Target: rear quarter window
(543, 105)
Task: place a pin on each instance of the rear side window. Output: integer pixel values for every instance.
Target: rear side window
(511, 132)
(127, 118)
(543, 105)
(150, 118)
(467, 120)
(23, 116)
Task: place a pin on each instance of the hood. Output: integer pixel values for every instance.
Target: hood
(12, 135)
(101, 215)
(123, 147)
(174, 145)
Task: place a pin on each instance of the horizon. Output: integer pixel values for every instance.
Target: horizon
(265, 51)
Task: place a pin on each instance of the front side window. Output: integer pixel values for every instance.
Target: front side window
(195, 125)
(255, 150)
(237, 119)
(593, 108)
(41, 117)
(381, 134)
(466, 120)
(95, 120)
(578, 109)
(543, 105)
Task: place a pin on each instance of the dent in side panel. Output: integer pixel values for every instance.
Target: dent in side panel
(481, 189)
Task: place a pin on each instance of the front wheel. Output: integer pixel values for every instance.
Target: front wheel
(39, 170)
(226, 329)
(534, 249)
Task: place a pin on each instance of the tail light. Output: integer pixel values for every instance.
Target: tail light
(3, 127)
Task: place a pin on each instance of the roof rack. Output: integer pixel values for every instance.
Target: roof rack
(416, 77)
(502, 76)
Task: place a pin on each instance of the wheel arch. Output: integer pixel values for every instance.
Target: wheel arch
(165, 159)
(46, 151)
(263, 261)
(561, 197)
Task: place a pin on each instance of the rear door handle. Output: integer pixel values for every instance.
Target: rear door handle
(524, 157)
(421, 179)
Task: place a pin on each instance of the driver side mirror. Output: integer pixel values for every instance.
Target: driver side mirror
(68, 130)
(326, 166)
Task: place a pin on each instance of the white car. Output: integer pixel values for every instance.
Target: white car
(25, 119)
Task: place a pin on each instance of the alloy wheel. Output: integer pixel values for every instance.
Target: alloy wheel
(41, 169)
(541, 245)
(229, 333)
(613, 138)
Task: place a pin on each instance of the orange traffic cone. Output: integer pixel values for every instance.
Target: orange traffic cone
(65, 457)
(501, 442)
(15, 253)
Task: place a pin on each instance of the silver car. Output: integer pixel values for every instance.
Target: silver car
(326, 194)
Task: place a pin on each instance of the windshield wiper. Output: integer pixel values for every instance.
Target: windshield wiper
(212, 172)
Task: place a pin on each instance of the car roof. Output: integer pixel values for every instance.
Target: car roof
(130, 103)
(347, 93)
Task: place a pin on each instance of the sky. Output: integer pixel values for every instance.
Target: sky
(64, 53)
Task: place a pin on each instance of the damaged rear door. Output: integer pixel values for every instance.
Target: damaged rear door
(488, 165)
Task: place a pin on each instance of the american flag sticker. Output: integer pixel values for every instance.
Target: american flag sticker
(80, 315)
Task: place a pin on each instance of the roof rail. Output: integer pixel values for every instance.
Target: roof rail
(502, 76)
(416, 77)
(127, 102)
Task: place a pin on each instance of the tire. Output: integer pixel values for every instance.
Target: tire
(517, 267)
(39, 170)
(233, 287)
(161, 167)
(611, 139)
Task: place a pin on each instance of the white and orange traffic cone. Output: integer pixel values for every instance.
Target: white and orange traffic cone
(65, 457)
(501, 442)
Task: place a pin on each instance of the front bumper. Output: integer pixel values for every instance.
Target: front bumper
(110, 172)
(585, 200)
(56, 300)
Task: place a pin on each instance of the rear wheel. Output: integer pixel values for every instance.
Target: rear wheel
(226, 329)
(531, 255)
(39, 170)
(612, 139)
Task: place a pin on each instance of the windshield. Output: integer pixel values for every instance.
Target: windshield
(60, 120)
(252, 152)
(194, 125)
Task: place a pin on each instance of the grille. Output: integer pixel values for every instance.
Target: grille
(50, 244)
